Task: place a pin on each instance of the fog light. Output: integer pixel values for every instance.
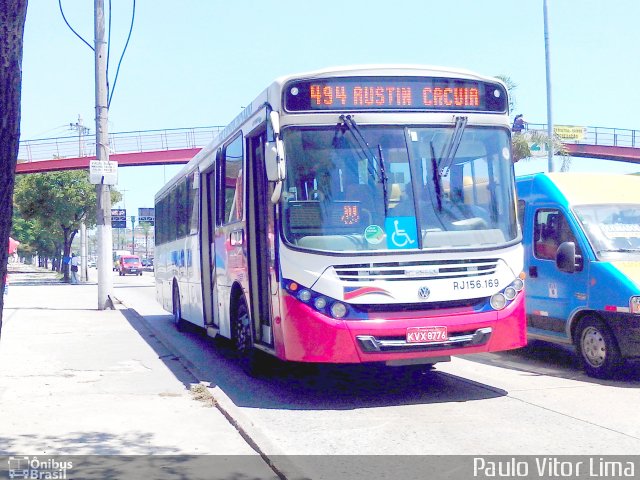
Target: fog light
(510, 293)
(320, 303)
(338, 310)
(498, 301)
(634, 305)
(304, 295)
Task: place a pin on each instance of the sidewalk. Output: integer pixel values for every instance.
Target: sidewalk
(78, 381)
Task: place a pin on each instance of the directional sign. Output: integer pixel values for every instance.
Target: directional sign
(146, 215)
(118, 218)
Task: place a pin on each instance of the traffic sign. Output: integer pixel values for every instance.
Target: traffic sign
(101, 172)
(118, 218)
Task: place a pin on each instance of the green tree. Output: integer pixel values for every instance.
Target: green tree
(521, 143)
(60, 201)
(12, 17)
(146, 229)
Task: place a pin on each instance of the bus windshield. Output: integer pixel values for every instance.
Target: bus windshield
(363, 188)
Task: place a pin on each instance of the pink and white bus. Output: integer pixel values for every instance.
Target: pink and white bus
(351, 215)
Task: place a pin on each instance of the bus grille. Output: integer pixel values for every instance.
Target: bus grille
(420, 270)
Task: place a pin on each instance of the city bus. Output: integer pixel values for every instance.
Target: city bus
(351, 215)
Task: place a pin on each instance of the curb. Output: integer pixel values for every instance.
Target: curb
(282, 467)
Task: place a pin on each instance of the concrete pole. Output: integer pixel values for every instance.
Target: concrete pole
(548, 70)
(83, 253)
(103, 192)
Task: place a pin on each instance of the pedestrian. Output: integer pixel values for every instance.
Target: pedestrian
(518, 124)
(74, 268)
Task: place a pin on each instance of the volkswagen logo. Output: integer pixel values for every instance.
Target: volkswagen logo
(424, 292)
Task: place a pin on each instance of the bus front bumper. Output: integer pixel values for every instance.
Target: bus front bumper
(306, 336)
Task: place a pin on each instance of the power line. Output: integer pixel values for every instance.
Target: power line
(115, 80)
(76, 33)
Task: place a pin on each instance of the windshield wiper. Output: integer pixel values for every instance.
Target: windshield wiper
(374, 164)
(621, 250)
(451, 147)
(437, 186)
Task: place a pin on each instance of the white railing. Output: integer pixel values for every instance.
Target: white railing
(122, 142)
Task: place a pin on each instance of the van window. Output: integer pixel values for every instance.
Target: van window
(551, 228)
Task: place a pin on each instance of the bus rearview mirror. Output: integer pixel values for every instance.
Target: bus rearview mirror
(274, 161)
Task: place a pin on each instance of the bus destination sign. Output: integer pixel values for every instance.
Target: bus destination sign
(394, 93)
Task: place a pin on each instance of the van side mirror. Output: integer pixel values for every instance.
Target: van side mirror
(566, 258)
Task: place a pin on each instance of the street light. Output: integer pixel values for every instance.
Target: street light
(550, 151)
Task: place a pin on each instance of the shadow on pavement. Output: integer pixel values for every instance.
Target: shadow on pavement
(299, 386)
(544, 358)
(86, 443)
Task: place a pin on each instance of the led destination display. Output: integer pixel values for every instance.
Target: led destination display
(392, 93)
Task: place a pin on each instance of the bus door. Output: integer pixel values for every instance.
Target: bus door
(209, 258)
(230, 236)
(260, 221)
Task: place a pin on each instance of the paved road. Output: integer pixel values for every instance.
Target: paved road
(533, 401)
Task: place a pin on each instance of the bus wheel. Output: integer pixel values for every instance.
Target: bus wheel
(177, 310)
(597, 347)
(243, 339)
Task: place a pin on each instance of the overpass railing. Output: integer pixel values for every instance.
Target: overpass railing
(122, 142)
(179, 138)
(612, 137)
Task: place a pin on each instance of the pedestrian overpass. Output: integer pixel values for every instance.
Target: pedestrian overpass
(176, 146)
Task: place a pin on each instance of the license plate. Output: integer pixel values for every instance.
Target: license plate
(426, 334)
(133, 270)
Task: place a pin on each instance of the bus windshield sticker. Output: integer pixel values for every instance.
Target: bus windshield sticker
(374, 234)
(401, 233)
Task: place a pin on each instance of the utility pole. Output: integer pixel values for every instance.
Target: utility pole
(82, 131)
(550, 151)
(103, 192)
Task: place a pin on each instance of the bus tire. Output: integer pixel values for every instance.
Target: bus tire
(177, 309)
(248, 356)
(597, 347)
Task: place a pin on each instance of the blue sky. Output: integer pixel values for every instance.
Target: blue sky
(196, 63)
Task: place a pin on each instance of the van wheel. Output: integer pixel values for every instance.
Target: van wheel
(177, 310)
(597, 347)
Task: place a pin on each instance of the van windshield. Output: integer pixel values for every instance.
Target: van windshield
(392, 188)
(612, 230)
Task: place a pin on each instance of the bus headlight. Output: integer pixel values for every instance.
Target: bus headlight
(338, 310)
(634, 305)
(498, 301)
(304, 295)
(510, 293)
(518, 284)
(320, 303)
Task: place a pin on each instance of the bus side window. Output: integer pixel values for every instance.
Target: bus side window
(232, 176)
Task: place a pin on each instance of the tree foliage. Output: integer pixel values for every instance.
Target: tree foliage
(521, 142)
(12, 17)
(59, 202)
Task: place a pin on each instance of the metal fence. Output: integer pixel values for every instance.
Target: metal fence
(122, 142)
(178, 138)
(616, 137)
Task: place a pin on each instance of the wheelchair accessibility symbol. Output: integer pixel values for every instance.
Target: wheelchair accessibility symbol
(401, 233)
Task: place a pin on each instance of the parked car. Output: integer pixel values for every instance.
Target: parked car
(129, 264)
(581, 234)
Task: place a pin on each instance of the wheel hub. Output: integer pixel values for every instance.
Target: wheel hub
(594, 347)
